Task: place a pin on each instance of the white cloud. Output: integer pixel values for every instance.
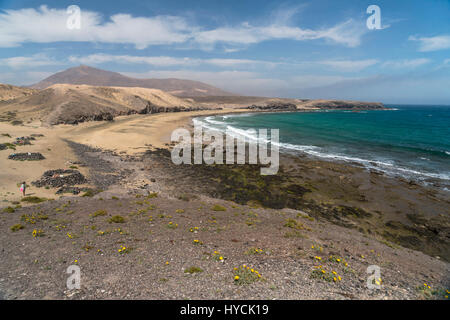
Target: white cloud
(432, 43)
(236, 62)
(46, 25)
(37, 60)
(349, 65)
(406, 63)
(348, 33)
(165, 61)
(24, 78)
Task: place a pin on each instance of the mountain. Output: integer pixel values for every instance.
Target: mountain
(8, 92)
(98, 77)
(71, 104)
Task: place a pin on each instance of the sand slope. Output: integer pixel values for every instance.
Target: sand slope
(8, 92)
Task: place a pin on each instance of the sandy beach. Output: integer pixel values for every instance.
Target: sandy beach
(127, 134)
(134, 134)
(311, 210)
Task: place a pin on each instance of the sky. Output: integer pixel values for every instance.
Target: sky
(296, 49)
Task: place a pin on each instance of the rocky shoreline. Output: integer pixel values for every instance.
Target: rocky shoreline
(318, 104)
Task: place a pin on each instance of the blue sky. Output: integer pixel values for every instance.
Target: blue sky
(299, 49)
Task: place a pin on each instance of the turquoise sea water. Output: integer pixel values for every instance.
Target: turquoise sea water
(411, 141)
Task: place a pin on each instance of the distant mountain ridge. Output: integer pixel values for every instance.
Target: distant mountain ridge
(98, 77)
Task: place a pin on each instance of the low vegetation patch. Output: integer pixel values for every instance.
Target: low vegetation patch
(294, 224)
(91, 192)
(116, 219)
(99, 213)
(218, 256)
(245, 275)
(172, 225)
(33, 199)
(218, 207)
(294, 234)
(192, 270)
(16, 122)
(17, 227)
(9, 210)
(320, 272)
(255, 251)
(38, 233)
(124, 250)
(33, 218)
(429, 293)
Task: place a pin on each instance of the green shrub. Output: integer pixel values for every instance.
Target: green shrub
(16, 227)
(192, 270)
(9, 210)
(294, 224)
(33, 199)
(116, 219)
(16, 122)
(90, 193)
(99, 213)
(218, 207)
(245, 275)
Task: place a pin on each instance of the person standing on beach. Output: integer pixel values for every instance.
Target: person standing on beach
(23, 187)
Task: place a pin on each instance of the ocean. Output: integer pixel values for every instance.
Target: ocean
(408, 141)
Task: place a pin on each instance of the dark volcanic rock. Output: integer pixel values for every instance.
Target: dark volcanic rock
(29, 156)
(59, 178)
(24, 140)
(75, 190)
(275, 106)
(346, 105)
(105, 116)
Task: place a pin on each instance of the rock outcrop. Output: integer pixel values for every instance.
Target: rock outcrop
(274, 106)
(340, 104)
